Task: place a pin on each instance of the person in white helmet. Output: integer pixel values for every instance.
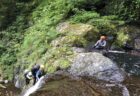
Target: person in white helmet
(28, 76)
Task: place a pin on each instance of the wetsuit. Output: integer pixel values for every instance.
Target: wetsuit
(34, 71)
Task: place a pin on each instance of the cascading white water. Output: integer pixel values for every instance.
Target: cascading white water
(114, 51)
(35, 87)
(125, 91)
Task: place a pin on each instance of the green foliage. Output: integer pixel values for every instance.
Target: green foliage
(125, 9)
(12, 36)
(39, 36)
(122, 37)
(85, 16)
(7, 71)
(106, 24)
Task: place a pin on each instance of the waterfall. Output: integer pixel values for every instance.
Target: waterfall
(125, 91)
(35, 87)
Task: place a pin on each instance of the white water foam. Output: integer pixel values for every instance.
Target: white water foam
(114, 51)
(35, 87)
(125, 91)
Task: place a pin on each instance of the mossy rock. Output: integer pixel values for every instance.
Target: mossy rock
(79, 29)
(74, 29)
(57, 56)
(59, 62)
(58, 51)
(69, 41)
(74, 34)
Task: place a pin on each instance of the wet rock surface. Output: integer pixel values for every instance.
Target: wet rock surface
(9, 90)
(133, 85)
(70, 86)
(96, 65)
(67, 85)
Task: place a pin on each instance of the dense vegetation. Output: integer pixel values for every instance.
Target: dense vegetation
(27, 27)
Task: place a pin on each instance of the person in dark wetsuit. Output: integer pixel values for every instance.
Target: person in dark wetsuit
(34, 71)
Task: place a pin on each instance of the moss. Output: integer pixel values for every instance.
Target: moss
(76, 34)
(58, 52)
(50, 69)
(61, 62)
(122, 37)
(126, 33)
(84, 16)
(70, 41)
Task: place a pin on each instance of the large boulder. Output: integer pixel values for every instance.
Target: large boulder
(96, 65)
(61, 83)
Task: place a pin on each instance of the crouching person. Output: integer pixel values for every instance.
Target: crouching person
(101, 44)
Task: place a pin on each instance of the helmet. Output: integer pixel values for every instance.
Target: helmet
(42, 66)
(26, 71)
(103, 37)
(29, 75)
(36, 66)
